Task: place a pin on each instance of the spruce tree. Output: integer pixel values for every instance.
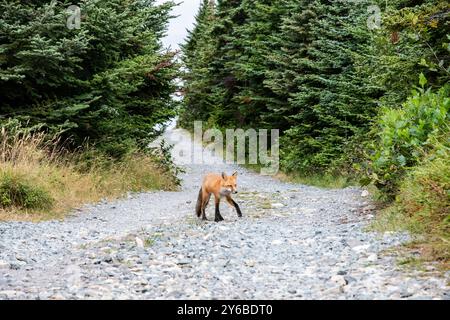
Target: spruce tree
(257, 39)
(236, 42)
(197, 56)
(312, 69)
(109, 81)
(412, 40)
(328, 103)
(224, 83)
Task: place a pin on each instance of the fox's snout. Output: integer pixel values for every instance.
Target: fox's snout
(233, 189)
(228, 191)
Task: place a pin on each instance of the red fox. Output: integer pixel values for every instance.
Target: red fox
(220, 186)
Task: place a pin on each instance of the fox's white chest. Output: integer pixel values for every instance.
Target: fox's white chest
(225, 191)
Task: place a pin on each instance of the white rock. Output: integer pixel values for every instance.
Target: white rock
(373, 257)
(4, 265)
(339, 280)
(332, 292)
(250, 263)
(8, 293)
(365, 193)
(139, 243)
(277, 242)
(277, 205)
(361, 248)
(209, 235)
(309, 242)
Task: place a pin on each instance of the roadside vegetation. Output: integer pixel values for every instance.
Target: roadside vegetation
(40, 179)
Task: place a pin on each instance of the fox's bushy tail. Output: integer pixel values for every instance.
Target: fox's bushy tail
(198, 207)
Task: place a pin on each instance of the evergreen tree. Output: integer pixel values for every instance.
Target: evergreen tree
(313, 69)
(412, 40)
(224, 83)
(109, 81)
(198, 54)
(257, 39)
(289, 60)
(236, 43)
(327, 103)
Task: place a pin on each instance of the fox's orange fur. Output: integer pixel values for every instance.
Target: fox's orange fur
(220, 185)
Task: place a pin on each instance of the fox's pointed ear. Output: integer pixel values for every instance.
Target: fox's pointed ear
(224, 175)
(235, 174)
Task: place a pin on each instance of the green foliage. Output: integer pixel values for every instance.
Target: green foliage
(108, 82)
(16, 191)
(312, 69)
(226, 59)
(198, 54)
(422, 205)
(276, 65)
(411, 41)
(163, 156)
(405, 134)
(424, 195)
(327, 103)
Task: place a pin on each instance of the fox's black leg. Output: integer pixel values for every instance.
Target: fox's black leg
(204, 214)
(234, 204)
(238, 210)
(218, 217)
(204, 209)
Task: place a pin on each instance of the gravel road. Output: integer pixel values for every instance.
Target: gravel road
(294, 242)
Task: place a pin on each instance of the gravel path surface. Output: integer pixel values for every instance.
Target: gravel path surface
(294, 242)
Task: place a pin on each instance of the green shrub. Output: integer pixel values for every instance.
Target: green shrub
(162, 155)
(424, 195)
(16, 191)
(422, 206)
(404, 135)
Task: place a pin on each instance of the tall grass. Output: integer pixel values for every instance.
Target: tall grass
(40, 179)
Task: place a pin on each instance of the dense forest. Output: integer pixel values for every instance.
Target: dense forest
(357, 88)
(110, 81)
(84, 87)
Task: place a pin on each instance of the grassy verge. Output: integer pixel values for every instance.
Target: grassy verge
(39, 181)
(422, 207)
(329, 181)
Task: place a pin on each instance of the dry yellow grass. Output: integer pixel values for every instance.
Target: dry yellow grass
(36, 161)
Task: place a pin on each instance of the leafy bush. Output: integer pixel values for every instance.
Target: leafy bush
(404, 135)
(163, 156)
(422, 206)
(424, 195)
(16, 191)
